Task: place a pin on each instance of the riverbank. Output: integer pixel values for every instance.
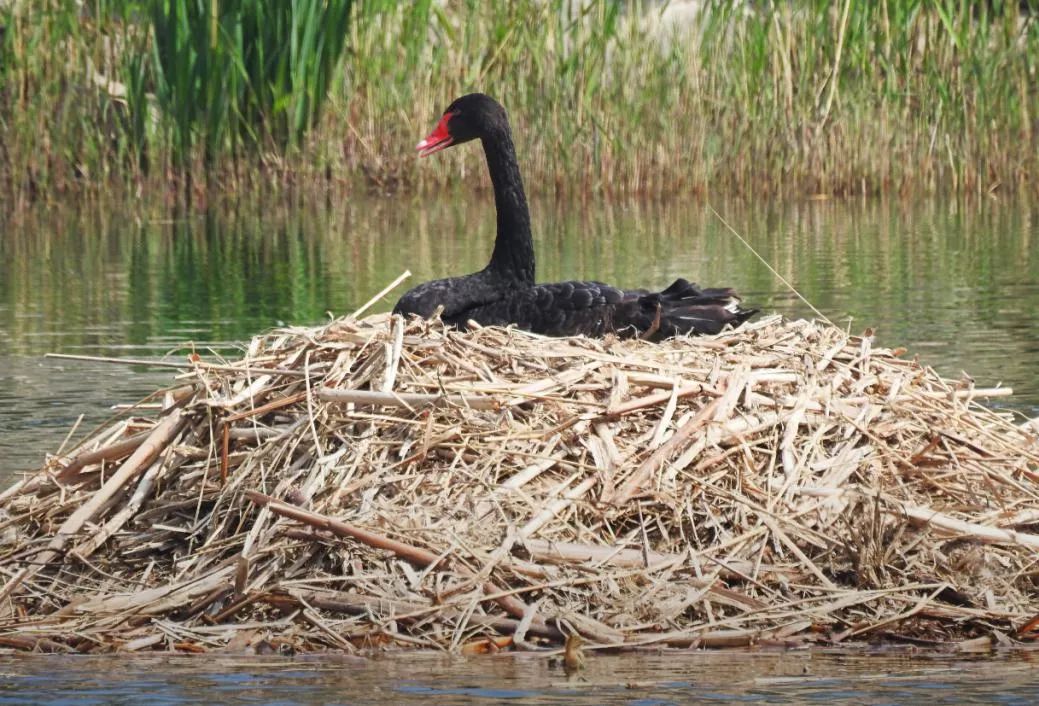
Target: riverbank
(901, 97)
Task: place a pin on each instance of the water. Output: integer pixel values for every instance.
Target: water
(958, 286)
(639, 679)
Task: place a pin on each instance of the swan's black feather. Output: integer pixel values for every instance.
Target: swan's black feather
(597, 309)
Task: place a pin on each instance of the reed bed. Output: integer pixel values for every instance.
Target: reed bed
(644, 98)
(379, 484)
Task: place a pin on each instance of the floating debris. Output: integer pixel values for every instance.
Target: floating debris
(380, 484)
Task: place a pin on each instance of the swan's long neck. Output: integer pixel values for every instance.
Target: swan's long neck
(513, 254)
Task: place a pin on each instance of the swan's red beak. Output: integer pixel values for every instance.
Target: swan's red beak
(437, 140)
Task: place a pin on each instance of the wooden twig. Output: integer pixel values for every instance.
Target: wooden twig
(653, 400)
(408, 400)
(120, 449)
(382, 293)
(186, 365)
(359, 604)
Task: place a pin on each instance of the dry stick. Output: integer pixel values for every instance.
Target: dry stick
(265, 408)
(34, 643)
(940, 522)
(920, 605)
(189, 364)
(519, 635)
(408, 400)
(72, 431)
(28, 484)
(225, 447)
(703, 637)
(107, 453)
(314, 618)
(311, 422)
(634, 483)
(79, 461)
(153, 601)
(653, 400)
(422, 557)
(665, 419)
(260, 384)
(556, 507)
(538, 389)
(573, 552)
(146, 453)
(393, 358)
(773, 270)
(773, 526)
(956, 527)
(359, 604)
(385, 290)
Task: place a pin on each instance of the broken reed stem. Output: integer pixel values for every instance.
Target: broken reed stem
(382, 293)
(187, 364)
(412, 401)
(117, 450)
(653, 400)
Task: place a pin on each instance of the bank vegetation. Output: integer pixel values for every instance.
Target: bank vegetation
(801, 98)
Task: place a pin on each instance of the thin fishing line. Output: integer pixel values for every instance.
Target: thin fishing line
(772, 269)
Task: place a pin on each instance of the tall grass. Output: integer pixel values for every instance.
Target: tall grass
(120, 92)
(805, 97)
(240, 72)
(891, 95)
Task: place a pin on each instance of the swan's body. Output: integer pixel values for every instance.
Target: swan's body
(459, 298)
(504, 292)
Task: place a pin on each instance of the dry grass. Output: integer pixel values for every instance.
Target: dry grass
(371, 484)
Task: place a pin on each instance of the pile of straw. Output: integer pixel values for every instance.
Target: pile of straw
(373, 483)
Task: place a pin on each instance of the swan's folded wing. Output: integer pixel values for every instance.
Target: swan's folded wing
(597, 309)
(559, 309)
(456, 296)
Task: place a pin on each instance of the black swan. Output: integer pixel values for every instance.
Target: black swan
(504, 291)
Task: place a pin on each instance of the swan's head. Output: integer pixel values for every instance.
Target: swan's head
(468, 118)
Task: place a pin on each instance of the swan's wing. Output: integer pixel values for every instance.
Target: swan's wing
(597, 309)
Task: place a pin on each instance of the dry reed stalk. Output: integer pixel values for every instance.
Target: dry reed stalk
(410, 401)
(374, 482)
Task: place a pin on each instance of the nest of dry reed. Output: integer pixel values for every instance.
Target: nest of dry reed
(374, 483)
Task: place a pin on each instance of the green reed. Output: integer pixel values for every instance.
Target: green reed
(805, 97)
(234, 73)
(892, 95)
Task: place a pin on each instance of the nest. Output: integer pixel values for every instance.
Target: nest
(372, 483)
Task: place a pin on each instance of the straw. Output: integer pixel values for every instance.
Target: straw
(375, 483)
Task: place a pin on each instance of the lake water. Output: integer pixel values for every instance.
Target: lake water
(956, 284)
(638, 679)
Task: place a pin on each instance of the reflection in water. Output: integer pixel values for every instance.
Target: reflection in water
(959, 286)
(635, 678)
